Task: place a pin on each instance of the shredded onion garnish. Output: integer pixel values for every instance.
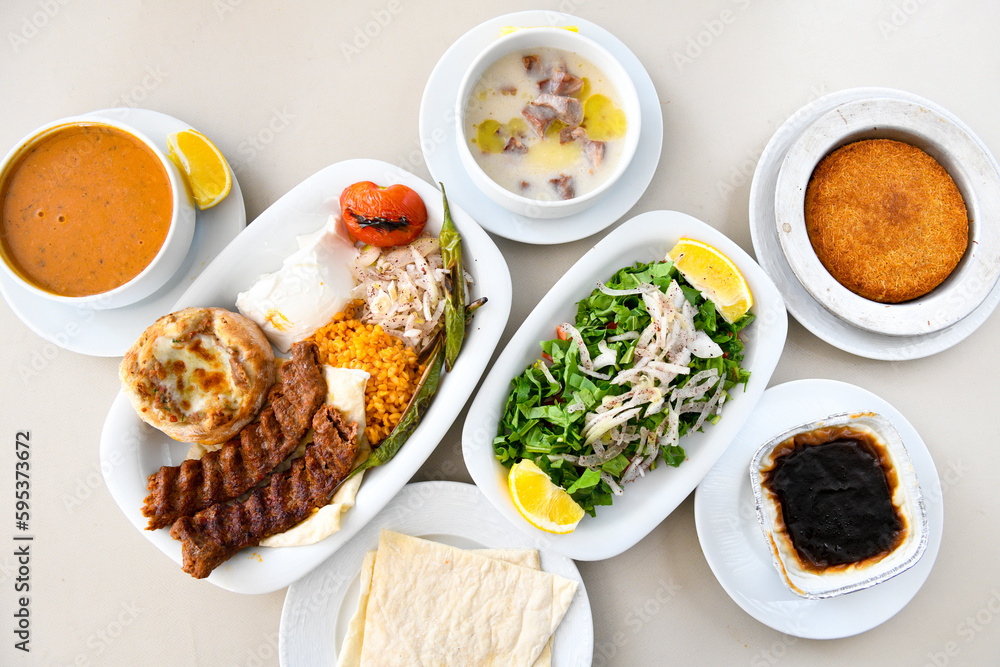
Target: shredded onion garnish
(543, 367)
(662, 353)
(628, 335)
(618, 292)
(403, 289)
(610, 481)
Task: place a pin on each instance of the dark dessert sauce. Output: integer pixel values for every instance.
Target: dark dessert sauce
(834, 487)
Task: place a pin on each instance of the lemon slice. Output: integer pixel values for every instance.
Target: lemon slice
(543, 504)
(507, 29)
(205, 170)
(714, 275)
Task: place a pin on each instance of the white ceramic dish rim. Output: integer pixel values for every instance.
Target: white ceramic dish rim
(130, 450)
(914, 510)
(531, 37)
(930, 128)
(449, 512)
(818, 320)
(648, 501)
(736, 552)
(110, 332)
(175, 246)
(437, 117)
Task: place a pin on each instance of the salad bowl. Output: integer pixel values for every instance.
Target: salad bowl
(650, 499)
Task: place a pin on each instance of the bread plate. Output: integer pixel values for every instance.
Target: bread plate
(644, 504)
(319, 606)
(130, 450)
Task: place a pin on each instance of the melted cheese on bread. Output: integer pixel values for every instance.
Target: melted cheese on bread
(199, 374)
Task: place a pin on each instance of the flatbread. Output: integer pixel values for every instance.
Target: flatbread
(350, 650)
(432, 604)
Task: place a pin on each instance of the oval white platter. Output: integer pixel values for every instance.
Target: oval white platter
(736, 550)
(131, 451)
(318, 607)
(647, 501)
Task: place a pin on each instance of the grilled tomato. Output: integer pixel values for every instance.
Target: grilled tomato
(393, 215)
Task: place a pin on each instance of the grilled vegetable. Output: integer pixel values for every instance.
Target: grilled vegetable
(390, 216)
(454, 308)
(442, 352)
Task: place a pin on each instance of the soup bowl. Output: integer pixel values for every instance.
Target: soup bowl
(573, 43)
(90, 167)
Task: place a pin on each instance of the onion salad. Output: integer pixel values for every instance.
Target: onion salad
(647, 359)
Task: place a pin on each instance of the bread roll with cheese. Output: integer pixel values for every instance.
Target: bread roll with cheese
(199, 375)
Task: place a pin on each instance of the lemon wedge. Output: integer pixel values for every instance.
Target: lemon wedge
(714, 275)
(507, 29)
(543, 504)
(602, 119)
(205, 170)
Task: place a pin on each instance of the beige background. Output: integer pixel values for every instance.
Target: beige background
(101, 594)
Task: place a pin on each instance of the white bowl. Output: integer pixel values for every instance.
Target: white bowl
(931, 129)
(166, 262)
(558, 38)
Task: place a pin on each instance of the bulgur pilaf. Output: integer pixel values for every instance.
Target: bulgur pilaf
(349, 343)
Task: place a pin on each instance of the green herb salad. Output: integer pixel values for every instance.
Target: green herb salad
(647, 359)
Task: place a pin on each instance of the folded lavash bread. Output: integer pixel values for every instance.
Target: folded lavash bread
(424, 603)
(350, 650)
(346, 392)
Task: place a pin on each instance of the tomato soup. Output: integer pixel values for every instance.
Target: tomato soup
(85, 209)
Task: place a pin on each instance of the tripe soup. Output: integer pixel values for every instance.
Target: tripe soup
(84, 209)
(545, 124)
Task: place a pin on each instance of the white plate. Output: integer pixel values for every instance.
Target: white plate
(813, 316)
(109, 333)
(437, 135)
(131, 451)
(647, 501)
(734, 545)
(318, 607)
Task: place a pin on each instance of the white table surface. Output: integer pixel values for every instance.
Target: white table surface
(270, 83)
